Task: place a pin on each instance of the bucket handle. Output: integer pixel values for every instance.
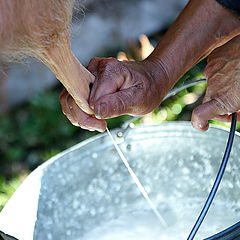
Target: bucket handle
(231, 233)
(4, 236)
(129, 123)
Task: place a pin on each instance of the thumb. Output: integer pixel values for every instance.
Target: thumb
(115, 104)
(107, 81)
(206, 111)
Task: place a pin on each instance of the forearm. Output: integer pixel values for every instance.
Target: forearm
(201, 27)
(7, 24)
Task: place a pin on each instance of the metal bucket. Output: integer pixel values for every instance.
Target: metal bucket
(84, 187)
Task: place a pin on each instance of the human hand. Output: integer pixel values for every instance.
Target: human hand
(77, 116)
(222, 96)
(134, 88)
(76, 79)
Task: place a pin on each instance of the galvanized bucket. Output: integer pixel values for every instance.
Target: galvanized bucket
(82, 188)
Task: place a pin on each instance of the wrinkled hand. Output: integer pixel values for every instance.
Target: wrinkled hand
(77, 116)
(134, 88)
(223, 93)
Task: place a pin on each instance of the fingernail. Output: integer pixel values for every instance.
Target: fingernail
(197, 125)
(101, 111)
(75, 124)
(100, 130)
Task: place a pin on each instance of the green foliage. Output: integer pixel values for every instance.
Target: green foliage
(35, 131)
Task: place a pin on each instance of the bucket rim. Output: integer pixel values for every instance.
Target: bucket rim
(139, 126)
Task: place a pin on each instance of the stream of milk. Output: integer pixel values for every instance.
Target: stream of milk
(137, 182)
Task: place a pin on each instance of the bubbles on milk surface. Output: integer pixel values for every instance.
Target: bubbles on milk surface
(141, 225)
(180, 217)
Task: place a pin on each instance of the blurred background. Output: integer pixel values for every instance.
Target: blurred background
(32, 126)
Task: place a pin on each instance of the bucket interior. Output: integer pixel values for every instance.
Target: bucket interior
(87, 193)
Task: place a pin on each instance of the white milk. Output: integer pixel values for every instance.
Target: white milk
(180, 215)
(143, 224)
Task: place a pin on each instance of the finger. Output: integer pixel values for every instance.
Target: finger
(109, 79)
(82, 102)
(84, 120)
(79, 118)
(64, 95)
(105, 84)
(205, 112)
(126, 101)
(226, 118)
